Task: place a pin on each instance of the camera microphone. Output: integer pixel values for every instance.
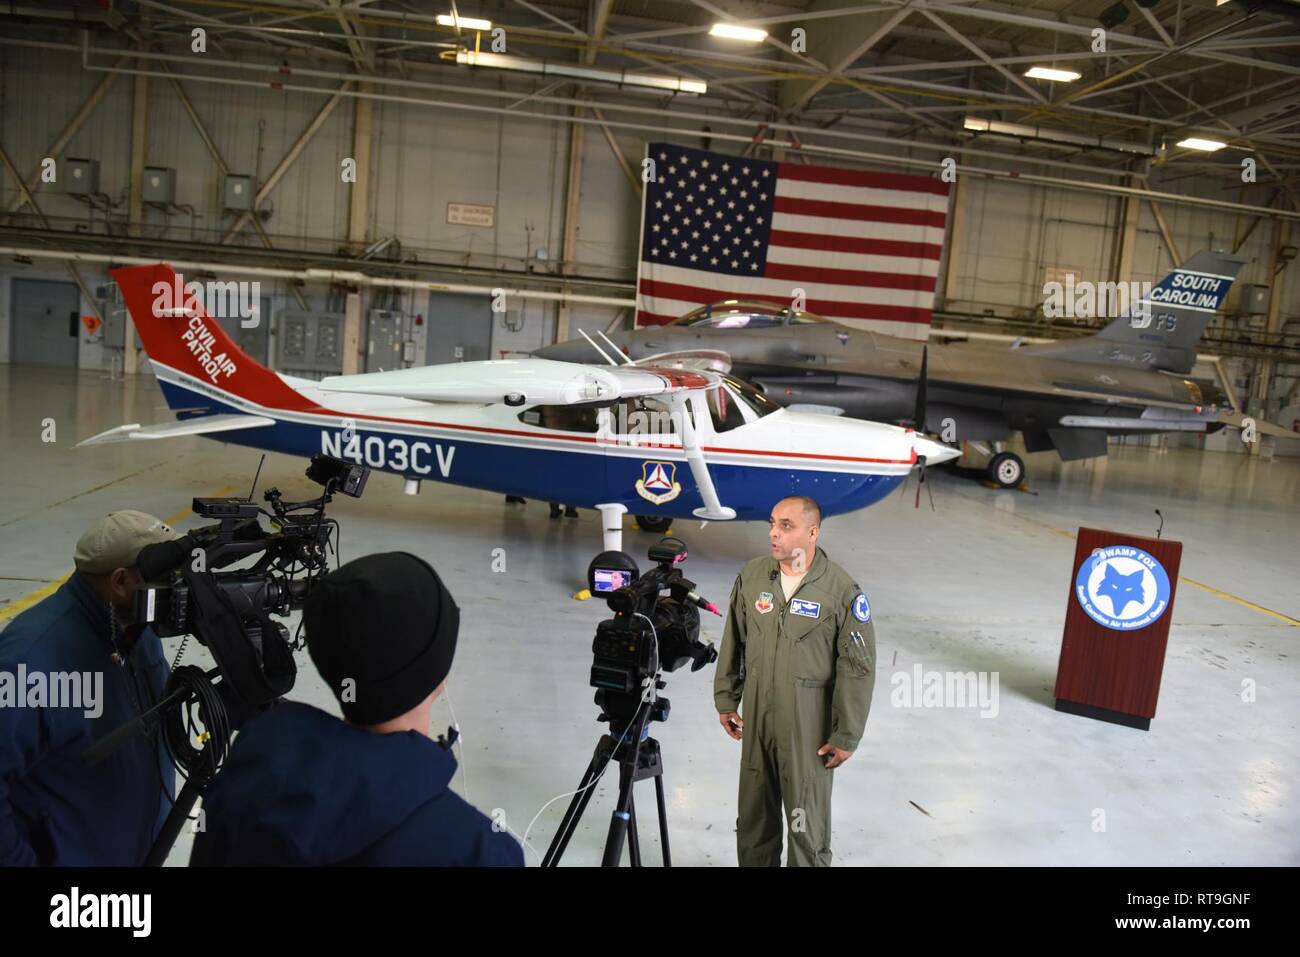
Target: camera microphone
(772, 577)
(699, 601)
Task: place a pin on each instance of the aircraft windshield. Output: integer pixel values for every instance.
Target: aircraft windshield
(724, 403)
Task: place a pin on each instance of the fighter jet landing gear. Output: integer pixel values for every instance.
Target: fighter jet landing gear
(654, 523)
(1006, 470)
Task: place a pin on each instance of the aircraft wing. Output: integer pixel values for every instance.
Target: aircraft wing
(199, 425)
(527, 381)
(534, 381)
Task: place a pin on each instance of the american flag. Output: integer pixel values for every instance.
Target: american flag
(864, 247)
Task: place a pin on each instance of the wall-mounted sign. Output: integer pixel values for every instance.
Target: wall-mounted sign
(469, 214)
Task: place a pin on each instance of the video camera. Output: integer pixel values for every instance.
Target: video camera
(656, 627)
(231, 614)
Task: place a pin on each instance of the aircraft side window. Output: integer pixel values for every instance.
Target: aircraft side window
(561, 418)
(642, 417)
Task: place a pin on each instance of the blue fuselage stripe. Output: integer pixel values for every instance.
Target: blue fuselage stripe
(580, 478)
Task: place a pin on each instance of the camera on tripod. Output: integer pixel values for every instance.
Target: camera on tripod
(656, 626)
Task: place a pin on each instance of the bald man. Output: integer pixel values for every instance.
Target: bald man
(798, 658)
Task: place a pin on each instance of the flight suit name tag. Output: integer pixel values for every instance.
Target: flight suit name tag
(809, 609)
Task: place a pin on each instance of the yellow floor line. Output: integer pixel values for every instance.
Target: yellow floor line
(1242, 601)
(1228, 596)
(20, 605)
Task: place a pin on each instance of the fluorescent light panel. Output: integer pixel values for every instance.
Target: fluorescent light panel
(734, 31)
(1199, 143)
(465, 23)
(502, 61)
(1051, 73)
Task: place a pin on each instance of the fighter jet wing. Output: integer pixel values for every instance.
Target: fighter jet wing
(703, 360)
(1235, 420)
(528, 381)
(199, 425)
(978, 377)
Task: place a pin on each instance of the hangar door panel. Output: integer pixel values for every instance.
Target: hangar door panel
(460, 328)
(45, 322)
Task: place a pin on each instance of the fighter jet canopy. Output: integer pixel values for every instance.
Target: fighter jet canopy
(745, 314)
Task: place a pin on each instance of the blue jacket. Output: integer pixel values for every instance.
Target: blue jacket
(302, 787)
(53, 808)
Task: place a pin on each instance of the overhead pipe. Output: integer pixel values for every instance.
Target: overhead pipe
(855, 155)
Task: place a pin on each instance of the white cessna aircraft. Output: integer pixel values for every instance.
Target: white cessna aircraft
(614, 438)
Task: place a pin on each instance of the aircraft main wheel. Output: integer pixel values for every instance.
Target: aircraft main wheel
(1007, 469)
(654, 523)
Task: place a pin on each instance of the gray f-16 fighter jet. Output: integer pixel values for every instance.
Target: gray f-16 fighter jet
(1128, 378)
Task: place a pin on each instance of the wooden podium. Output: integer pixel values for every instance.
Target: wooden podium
(1117, 619)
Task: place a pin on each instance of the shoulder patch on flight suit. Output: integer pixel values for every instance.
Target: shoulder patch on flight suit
(764, 602)
(809, 609)
(861, 607)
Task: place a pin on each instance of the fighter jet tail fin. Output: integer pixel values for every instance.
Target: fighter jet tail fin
(1161, 328)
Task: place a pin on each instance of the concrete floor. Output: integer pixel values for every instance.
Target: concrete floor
(980, 585)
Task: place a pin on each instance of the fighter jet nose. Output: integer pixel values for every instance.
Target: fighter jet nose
(936, 453)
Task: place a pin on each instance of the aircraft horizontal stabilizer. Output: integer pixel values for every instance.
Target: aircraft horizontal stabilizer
(199, 425)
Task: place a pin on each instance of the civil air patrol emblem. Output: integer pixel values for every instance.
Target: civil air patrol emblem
(764, 602)
(657, 483)
(809, 609)
(861, 608)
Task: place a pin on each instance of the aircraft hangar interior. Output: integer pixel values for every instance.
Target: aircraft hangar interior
(752, 395)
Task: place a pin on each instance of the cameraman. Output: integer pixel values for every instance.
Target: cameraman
(302, 787)
(54, 809)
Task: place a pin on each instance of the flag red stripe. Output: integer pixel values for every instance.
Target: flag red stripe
(822, 307)
(853, 177)
(855, 244)
(859, 212)
(848, 277)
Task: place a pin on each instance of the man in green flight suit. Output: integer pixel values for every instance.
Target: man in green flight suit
(799, 650)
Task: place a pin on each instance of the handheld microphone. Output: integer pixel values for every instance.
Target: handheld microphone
(702, 602)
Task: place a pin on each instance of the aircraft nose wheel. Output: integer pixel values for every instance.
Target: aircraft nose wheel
(1007, 470)
(654, 523)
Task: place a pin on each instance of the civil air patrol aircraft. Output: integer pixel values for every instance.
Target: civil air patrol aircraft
(662, 442)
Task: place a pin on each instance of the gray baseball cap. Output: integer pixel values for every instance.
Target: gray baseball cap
(115, 540)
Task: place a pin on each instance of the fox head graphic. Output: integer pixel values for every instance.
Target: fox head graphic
(1121, 589)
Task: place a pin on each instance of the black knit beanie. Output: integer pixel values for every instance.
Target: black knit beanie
(381, 631)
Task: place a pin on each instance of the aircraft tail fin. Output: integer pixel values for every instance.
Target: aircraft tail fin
(180, 337)
(1160, 330)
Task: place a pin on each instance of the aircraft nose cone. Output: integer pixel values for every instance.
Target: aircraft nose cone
(575, 350)
(935, 453)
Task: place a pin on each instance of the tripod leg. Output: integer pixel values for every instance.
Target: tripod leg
(573, 813)
(619, 820)
(663, 819)
(633, 840)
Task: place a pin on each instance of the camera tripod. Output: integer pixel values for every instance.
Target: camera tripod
(637, 760)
